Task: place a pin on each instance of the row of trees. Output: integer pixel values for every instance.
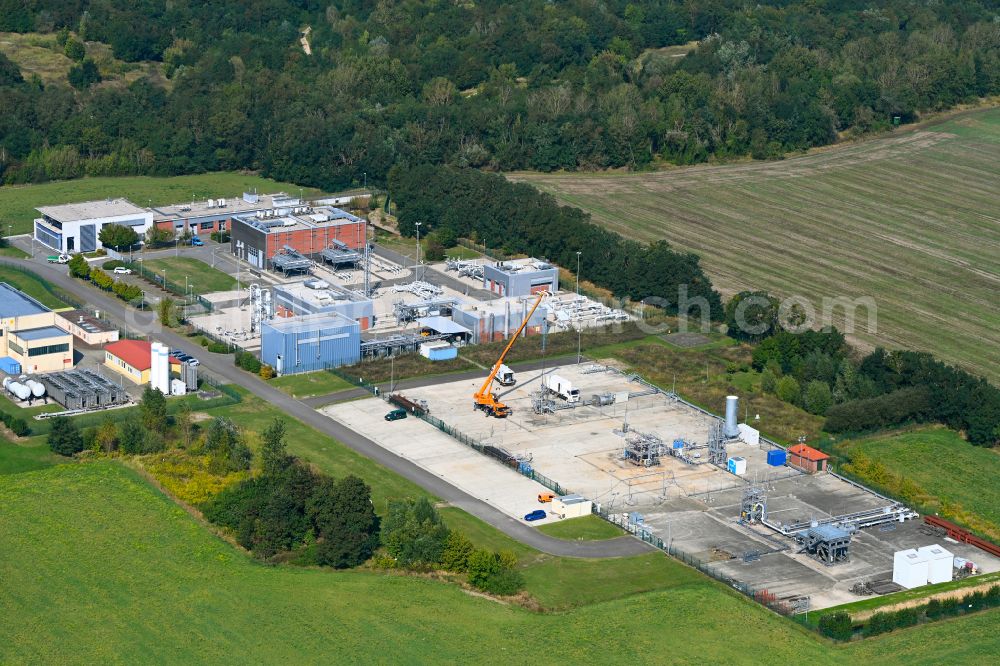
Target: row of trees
(527, 85)
(840, 626)
(516, 218)
(80, 268)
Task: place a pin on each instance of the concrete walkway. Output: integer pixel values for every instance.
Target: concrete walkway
(222, 367)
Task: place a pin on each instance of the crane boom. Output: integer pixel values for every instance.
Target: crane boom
(484, 398)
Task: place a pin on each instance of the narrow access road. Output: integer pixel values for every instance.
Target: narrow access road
(222, 367)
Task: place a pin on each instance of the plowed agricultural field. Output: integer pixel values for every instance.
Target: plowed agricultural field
(911, 220)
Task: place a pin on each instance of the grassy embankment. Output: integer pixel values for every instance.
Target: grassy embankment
(99, 567)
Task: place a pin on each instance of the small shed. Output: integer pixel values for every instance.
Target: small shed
(807, 458)
(909, 568)
(438, 351)
(737, 465)
(940, 563)
(571, 506)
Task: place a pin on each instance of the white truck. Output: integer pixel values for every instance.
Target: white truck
(59, 259)
(561, 387)
(505, 376)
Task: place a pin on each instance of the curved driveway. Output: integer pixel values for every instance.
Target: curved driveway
(223, 367)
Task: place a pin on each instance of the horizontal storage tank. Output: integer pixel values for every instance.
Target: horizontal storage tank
(19, 390)
(777, 457)
(37, 389)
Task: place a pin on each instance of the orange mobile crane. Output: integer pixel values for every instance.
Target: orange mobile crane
(485, 399)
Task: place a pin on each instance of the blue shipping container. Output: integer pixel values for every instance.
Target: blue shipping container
(777, 457)
(10, 366)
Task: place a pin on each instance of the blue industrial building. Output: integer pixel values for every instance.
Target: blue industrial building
(312, 342)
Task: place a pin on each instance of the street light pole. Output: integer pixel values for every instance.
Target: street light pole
(578, 253)
(416, 266)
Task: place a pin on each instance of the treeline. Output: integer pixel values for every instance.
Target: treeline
(815, 370)
(518, 219)
(914, 387)
(840, 626)
(526, 85)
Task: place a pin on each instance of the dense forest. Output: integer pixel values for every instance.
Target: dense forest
(515, 218)
(535, 84)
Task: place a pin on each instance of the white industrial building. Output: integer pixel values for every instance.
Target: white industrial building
(909, 568)
(75, 227)
(571, 506)
(940, 563)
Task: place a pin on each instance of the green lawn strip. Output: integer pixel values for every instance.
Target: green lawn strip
(201, 277)
(308, 384)
(18, 203)
(876, 602)
(14, 252)
(584, 528)
(25, 456)
(563, 583)
(31, 285)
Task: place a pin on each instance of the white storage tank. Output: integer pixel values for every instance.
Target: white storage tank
(732, 428)
(17, 388)
(37, 388)
(939, 563)
(909, 568)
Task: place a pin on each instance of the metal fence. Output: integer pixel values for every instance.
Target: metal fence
(640, 531)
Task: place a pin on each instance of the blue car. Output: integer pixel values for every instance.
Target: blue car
(537, 514)
(197, 242)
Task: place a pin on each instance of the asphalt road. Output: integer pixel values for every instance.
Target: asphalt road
(222, 367)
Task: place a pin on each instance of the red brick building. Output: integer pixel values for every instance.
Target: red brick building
(207, 216)
(807, 458)
(309, 231)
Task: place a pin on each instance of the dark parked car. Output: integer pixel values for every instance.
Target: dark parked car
(395, 415)
(537, 514)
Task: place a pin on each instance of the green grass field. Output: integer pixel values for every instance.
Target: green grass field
(26, 456)
(584, 528)
(954, 472)
(907, 219)
(200, 276)
(17, 203)
(98, 567)
(309, 384)
(31, 285)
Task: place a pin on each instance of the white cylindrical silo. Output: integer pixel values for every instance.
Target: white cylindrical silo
(154, 350)
(732, 429)
(163, 369)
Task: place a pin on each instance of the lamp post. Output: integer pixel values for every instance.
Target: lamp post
(578, 253)
(416, 266)
(186, 288)
(365, 174)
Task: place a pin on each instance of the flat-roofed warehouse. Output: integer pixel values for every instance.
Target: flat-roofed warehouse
(316, 233)
(76, 227)
(211, 215)
(29, 337)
